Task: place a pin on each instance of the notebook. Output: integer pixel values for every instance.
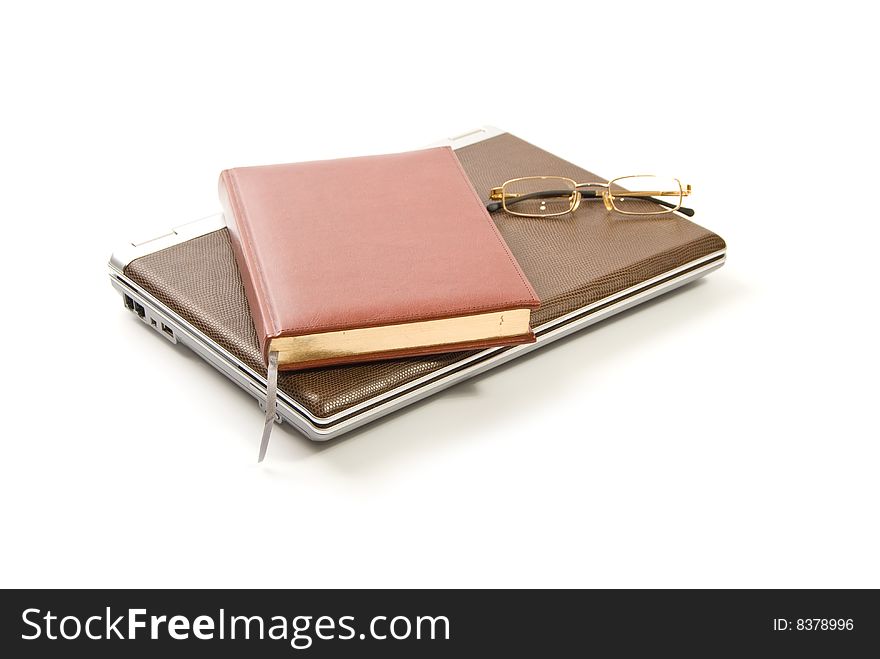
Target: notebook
(368, 258)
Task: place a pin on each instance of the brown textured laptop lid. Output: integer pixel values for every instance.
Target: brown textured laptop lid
(571, 261)
(366, 242)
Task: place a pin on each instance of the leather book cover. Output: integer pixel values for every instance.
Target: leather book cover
(371, 258)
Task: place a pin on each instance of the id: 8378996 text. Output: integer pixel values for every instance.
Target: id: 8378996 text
(813, 624)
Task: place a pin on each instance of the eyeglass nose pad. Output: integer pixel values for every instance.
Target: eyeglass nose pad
(606, 198)
(576, 201)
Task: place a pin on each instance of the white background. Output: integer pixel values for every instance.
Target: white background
(725, 435)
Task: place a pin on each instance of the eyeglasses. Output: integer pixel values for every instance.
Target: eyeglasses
(549, 196)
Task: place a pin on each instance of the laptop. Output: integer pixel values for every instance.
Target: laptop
(585, 266)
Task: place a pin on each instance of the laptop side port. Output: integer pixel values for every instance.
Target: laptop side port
(151, 317)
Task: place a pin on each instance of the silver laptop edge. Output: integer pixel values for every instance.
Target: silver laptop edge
(174, 328)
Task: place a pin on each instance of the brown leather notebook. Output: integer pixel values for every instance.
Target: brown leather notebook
(369, 258)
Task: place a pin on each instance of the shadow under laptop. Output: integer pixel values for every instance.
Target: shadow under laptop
(550, 371)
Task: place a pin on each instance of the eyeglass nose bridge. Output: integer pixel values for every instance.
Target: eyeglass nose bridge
(604, 192)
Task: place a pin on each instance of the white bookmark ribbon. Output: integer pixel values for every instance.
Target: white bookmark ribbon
(271, 399)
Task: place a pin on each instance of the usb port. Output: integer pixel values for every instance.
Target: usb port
(168, 330)
(139, 310)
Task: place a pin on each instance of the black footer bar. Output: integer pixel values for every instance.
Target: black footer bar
(426, 623)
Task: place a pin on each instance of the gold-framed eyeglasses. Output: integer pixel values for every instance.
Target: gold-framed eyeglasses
(550, 196)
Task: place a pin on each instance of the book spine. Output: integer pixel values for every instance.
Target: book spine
(250, 269)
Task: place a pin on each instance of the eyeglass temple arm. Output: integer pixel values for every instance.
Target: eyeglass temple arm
(543, 194)
(681, 209)
(585, 194)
